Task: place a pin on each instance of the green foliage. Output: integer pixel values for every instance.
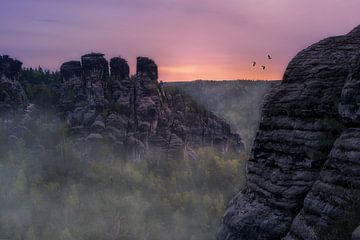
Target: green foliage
(66, 235)
(52, 194)
(72, 199)
(30, 235)
(41, 86)
(19, 185)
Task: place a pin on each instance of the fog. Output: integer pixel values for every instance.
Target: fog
(48, 191)
(238, 102)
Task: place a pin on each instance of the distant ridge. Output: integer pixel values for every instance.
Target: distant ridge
(239, 102)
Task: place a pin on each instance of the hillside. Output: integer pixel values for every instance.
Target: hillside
(239, 102)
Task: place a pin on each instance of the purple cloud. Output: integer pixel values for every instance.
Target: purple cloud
(209, 39)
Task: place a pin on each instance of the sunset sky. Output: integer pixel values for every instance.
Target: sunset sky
(189, 39)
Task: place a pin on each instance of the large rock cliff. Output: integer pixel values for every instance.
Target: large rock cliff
(304, 172)
(135, 114)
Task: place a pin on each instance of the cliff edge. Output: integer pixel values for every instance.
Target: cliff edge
(303, 175)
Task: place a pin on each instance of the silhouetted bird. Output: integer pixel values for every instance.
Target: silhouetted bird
(269, 57)
(263, 67)
(254, 64)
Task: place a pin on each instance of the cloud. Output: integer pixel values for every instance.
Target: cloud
(177, 33)
(48, 20)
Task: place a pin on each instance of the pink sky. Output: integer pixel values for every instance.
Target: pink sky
(189, 39)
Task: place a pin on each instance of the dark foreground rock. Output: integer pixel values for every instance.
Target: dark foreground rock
(304, 172)
(134, 114)
(356, 234)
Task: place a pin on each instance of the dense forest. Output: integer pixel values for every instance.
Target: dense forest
(41, 86)
(47, 192)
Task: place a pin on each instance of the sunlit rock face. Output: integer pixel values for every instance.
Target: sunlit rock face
(12, 95)
(303, 175)
(134, 114)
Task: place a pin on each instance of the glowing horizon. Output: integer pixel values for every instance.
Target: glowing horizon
(203, 39)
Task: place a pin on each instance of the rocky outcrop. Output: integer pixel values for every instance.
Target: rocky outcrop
(198, 126)
(17, 115)
(356, 234)
(134, 114)
(303, 175)
(224, 98)
(12, 95)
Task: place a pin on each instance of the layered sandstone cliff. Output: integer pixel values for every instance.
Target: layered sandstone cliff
(304, 172)
(135, 114)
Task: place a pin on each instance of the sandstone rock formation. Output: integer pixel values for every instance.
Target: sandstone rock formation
(135, 114)
(12, 96)
(303, 175)
(16, 113)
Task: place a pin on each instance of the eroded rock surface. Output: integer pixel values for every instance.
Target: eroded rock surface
(135, 114)
(303, 175)
(12, 95)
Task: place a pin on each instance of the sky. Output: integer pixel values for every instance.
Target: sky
(189, 39)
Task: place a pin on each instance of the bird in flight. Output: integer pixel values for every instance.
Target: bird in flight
(254, 64)
(269, 57)
(263, 67)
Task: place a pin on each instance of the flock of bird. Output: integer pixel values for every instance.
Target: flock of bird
(263, 66)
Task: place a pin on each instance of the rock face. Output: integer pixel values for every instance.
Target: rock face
(12, 95)
(304, 172)
(135, 114)
(356, 234)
